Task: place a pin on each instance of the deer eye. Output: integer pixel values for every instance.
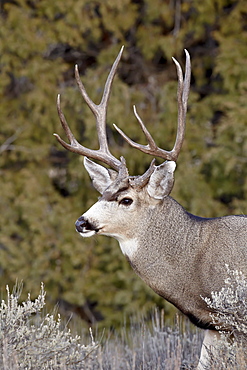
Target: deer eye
(126, 201)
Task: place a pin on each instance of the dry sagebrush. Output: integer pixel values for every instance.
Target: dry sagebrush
(230, 304)
(36, 344)
(230, 318)
(30, 340)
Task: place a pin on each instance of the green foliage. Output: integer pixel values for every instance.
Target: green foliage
(44, 189)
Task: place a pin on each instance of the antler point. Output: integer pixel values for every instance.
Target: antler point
(176, 62)
(57, 137)
(187, 54)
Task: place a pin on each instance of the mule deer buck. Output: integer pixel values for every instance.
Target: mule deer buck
(182, 257)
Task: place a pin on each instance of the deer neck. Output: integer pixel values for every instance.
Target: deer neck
(162, 232)
(165, 256)
(166, 242)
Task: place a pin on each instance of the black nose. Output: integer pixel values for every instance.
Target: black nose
(80, 224)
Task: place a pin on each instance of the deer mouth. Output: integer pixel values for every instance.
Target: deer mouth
(87, 233)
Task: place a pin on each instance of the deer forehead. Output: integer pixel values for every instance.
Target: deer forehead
(140, 197)
(115, 193)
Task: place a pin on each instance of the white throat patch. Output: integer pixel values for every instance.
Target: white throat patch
(129, 247)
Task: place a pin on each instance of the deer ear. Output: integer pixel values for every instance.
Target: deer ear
(161, 181)
(101, 177)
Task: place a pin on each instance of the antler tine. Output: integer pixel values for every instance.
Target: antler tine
(100, 110)
(65, 126)
(187, 77)
(103, 154)
(144, 148)
(182, 98)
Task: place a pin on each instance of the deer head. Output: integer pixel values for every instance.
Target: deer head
(122, 193)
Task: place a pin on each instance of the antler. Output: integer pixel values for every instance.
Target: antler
(182, 98)
(103, 154)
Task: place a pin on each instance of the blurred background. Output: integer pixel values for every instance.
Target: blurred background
(44, 188)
